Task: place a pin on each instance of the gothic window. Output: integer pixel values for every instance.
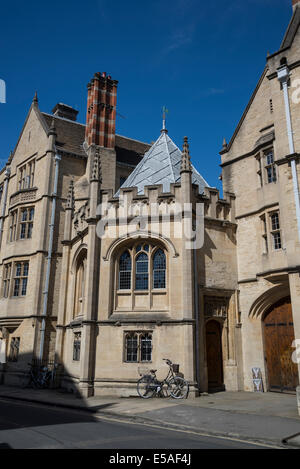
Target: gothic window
(79, 285)
(76, 347)
(131, 347)
(141, 272)
(159, 269)
(14, 349)
(125, 271)
(138, 347)
(146, 347)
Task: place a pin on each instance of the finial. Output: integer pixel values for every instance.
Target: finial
(70, 198)
(224, 143)
(165, 111)
(185, 158)
(35, 98)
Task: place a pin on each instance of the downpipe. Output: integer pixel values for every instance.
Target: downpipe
(7, 174)
(283, 76)
(49, 257)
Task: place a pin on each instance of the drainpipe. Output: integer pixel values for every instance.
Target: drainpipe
(283, 76)
(7, 174)
(197, 320)
(49, 258)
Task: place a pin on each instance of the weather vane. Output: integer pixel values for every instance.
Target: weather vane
(165, 111)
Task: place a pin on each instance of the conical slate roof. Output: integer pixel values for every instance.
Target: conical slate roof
(161, 165)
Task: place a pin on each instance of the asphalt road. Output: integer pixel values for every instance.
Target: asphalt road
(24, 426)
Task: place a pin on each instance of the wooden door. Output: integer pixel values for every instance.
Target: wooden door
(214, 355)
(279, 336)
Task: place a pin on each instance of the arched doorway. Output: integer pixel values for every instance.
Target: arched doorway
(214, 355)
(279, 336)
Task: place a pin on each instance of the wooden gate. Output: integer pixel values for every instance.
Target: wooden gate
(279, 336)
(214, 355)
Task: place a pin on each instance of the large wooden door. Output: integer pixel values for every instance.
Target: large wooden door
(279, 336)
(214, 355)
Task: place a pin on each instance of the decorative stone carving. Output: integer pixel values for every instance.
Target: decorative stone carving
(215, 307)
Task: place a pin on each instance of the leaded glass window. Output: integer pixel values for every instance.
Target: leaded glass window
(76, 346)
(146, 348)
(159, 269)
(125, 271)
(141, 274)
(131, 345)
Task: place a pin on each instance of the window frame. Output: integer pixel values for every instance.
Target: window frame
(76, 346)
(139, 338)
(14, 349)
(275, 231)
(20, 280)
(270, 166)
(26, 173)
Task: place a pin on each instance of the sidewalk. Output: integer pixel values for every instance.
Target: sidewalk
(266, 417)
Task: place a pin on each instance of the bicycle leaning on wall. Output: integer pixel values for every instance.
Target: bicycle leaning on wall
(172, 386)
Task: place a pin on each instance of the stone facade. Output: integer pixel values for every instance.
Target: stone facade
(207, 309)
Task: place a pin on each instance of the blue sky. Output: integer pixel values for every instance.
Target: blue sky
(200, 59)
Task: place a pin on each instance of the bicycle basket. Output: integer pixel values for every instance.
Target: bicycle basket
(175, 368)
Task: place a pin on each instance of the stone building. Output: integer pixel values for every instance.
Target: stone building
(97, 266)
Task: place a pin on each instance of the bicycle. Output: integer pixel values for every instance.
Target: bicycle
(173, 385)
(39, 377)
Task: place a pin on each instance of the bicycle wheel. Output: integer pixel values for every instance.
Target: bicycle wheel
(178, 388)
(146, 387)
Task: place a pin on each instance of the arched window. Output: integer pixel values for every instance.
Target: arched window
(79, 286)
(146, 347)
(131, 347)
(125, 271)
(141, 272)
(159, 269)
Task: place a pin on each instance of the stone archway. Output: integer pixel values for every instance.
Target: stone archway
(282, 373)
(214, 357)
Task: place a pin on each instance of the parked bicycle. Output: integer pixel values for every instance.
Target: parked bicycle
(173, 385)
(39, 377)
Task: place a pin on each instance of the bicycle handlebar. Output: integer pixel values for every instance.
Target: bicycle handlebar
(168, 361)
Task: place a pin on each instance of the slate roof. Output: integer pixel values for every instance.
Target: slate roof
(71, 134)
(161, 165)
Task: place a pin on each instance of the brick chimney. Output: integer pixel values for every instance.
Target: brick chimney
(295, 3)
(101, 111)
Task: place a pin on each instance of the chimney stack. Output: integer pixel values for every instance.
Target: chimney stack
(295, 3)
(101, 111)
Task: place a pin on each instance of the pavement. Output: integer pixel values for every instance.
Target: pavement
(270, 418)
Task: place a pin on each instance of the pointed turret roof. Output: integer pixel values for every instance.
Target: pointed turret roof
(161, 165)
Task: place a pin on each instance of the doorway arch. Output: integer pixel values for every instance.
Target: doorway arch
(214, 356)
(279, 335)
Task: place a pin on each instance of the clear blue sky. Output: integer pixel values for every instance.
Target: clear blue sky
(200, 59)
